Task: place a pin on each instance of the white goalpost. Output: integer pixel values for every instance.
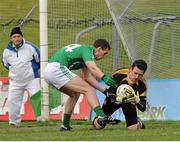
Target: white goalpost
(44, 56)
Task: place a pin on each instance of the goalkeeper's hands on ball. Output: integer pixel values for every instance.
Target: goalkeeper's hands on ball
(126, 94)
(124, 99)
(135, 99)
(130, 98)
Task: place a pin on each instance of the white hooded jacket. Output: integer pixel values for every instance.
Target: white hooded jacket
(23, 63)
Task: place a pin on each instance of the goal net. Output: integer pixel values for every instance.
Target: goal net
(150, 30)
(84, 21)
(135, 29)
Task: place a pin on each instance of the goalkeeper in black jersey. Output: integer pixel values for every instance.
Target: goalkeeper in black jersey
(134, 78)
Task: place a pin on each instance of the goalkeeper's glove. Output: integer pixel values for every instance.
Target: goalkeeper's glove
(109, 80)
(122, 99)
(135, 99)
(110, 96)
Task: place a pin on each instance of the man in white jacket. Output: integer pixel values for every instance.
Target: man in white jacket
(22, 59)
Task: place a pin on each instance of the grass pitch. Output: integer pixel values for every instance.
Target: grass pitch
(83, 131)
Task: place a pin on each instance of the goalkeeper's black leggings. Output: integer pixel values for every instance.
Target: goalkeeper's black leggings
(129, 111)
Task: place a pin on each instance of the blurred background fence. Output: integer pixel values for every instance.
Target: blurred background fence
(145, 29)
(150, 29)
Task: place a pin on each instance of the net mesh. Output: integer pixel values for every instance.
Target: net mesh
(81, 22)
(68, 18)
(11, 15)
(151, 31)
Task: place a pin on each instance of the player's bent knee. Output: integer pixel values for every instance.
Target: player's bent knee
(76, 96)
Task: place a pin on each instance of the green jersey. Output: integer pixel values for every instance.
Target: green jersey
(74, 56)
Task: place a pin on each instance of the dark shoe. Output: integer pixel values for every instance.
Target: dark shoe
(115, 122)
(106, 120)
(141, 123)
(142, 126)
(98, 123)
(63, 128)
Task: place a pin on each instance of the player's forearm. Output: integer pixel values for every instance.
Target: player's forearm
(95, 71)
(142, 105)
(93, 82)
(96, 85)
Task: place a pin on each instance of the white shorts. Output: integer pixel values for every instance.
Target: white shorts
(57, 75)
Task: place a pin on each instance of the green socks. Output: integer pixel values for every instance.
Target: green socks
(36, 103)
(98, 110)
(66, 119)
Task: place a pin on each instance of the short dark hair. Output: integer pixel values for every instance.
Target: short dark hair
(102, 43)
(141, 64)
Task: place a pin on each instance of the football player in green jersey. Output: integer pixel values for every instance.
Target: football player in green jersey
(72, 57)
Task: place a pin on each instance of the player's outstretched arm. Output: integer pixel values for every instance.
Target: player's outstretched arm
(92, 80)
(95, 71)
